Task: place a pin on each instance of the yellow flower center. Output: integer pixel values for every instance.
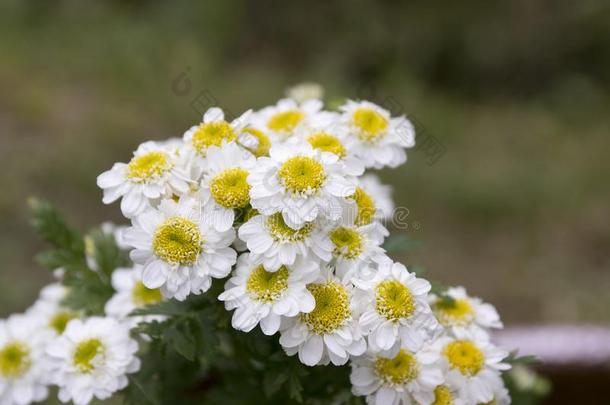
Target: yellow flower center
(327, 143)
(281, 232)
(398, 370)
(348, 242)
(230, 188)
(148, 166)
(365, 205)
(85, 354)
(60, 320)
(442, 396)
(370, 124)
(143, 295)
(302, 174)
(464, 356)
(455, 312)
(331, 310)
(286, 121)
(393, 300)
(264, 144)
(212, 133)
(267, 286)
(14, 360)
(178, 241)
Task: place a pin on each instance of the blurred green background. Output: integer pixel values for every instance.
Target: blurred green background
(518, 93)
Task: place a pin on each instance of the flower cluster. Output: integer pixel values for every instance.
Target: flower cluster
(52, 345)
(277, 203)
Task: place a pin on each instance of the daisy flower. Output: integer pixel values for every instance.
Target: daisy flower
(329, 333)
(275, 244)
(225, 184)
(354, 248)
(305, 91)
(463, 311)
(214, 131)
(49, 310)
(153, 172)
(374, 199)
(285, 118)
(22, 361)
(395, 308)
(300, 182)
(255, 141)
(131, 294)
(397, 378)
(472, 363)
(261, 296)
(328, 137)
(91, 359)
(379, 139)
(178, 248)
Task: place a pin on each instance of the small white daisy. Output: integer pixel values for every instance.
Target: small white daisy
(305, 91)
(154, 172)
(258, 295)
(48, 308)
(463, 311)
(329, 333)
(22, 361)
(275, 244)
(131, 294)
(178, 248)
(472, 363)
(355, 248)
(300, 182)
(214, 131)
(255, 141)
(380, 139)
(395, 308)
(225, 184)
(397, 378)
(91, 359)
(371, 189)
(284, 119)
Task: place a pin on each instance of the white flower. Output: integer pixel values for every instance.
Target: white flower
(396, 378)
(395, 308)
(305, 91)
(300, 182)
(355, 248)
(48, 309)
(472, 363)
(327, 134)
(179, 249)
(463, 311)
(258, 295)
(22, 361)
(154, 172)
(131, 294)
(214, 131)
(225, 183)
(91, 359)
(329, 333)
(286, 117)
(380, 194)
(275, 244)
(379, 139)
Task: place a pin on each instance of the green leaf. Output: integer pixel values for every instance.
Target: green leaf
(400, 243)
(52, 228)
(513, 358)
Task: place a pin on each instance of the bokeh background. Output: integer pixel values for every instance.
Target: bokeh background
(516, 92)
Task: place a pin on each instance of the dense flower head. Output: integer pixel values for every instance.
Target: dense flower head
(277, 205)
